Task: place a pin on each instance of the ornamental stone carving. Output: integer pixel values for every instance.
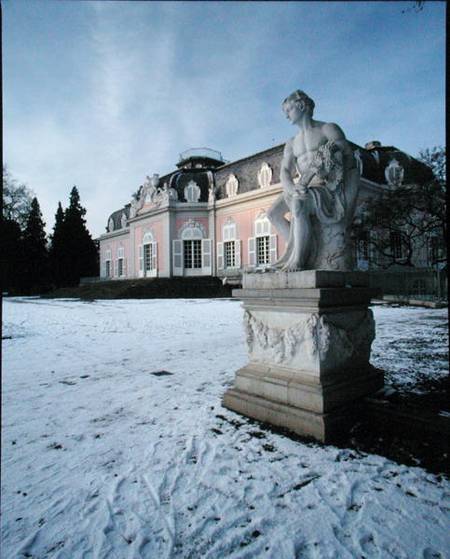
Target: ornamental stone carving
(376, 156)
(231, 186)
(111, 225)
(394, 173)
(192, 229)
(313, 341)
(123, 220)
(192, 192)
(150, 188)
(265, 175)
(211, 195)
(359, 161)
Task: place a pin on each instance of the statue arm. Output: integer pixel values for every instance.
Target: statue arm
(334, 133)
(287, 168)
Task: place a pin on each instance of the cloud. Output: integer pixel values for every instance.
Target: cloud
(128, 86)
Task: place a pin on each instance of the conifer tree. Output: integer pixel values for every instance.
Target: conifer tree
(35, 251)
(11, 256)
(80, 258)
(57, 252)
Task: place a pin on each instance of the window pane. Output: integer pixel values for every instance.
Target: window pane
(120, 266)
(262, 250)
(187, 254)
(148, 253)
(229, 253)
(197, 254)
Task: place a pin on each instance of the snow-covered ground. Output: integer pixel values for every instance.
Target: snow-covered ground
(102, 458)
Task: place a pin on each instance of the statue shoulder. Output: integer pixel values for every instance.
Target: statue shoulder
(332, 131)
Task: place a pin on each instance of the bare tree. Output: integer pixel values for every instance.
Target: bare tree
(403, 219)
(16, 199)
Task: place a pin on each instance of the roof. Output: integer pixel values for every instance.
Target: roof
(374, 162)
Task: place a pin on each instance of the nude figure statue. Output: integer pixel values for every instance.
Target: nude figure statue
(322, 202)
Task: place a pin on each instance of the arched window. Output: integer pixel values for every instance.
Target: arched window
(229, 250)
(192, 250)
(262, 248)
(192, 247)
(107, 265)
(120, 262)
(148, 263)
(396, 245)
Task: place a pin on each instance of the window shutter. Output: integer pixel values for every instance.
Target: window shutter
(252, 251)
(237, 253)
(273, 249)
(206, 256)
(141, 261)
(125, 271)
(154, 257)
(220, 256)
(177, 248)
(116, 268)
(103, 269)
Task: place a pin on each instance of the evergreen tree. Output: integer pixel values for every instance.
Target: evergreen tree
(80, 251)
(35, 251)
(57, 251)
(11, 256)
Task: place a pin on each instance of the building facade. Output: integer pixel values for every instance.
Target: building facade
(209, 217)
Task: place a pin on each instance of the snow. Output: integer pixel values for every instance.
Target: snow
(103, 459)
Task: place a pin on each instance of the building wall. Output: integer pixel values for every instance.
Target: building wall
(111, 249)
(154, 226)
(254, 197)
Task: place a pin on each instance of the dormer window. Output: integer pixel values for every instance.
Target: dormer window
(264, 175)
(192, 192)
(231, 186)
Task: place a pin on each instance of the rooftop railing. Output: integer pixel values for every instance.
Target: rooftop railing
(201, 152)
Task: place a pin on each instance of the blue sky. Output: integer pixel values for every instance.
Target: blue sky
(101, 94)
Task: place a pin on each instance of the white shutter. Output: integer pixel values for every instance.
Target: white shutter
(154, 270)
(220, 256)
(125, 271)
(103, 269)
(141, 261)
(116, 268)
(273, 249)
(237, 253)
(206, 256)
(252, 251)
(177, 249)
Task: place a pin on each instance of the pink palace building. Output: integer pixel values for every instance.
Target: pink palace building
(209, 216)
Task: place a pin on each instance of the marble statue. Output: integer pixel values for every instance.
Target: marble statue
(322, 202)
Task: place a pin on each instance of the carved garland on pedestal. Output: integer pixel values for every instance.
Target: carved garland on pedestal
(317, 335)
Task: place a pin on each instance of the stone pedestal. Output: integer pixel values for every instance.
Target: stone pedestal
(309, 336)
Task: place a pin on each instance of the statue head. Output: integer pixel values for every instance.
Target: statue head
(301, 100)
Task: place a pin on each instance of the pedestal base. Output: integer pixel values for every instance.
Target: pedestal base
(322, 411)
(309, 351)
